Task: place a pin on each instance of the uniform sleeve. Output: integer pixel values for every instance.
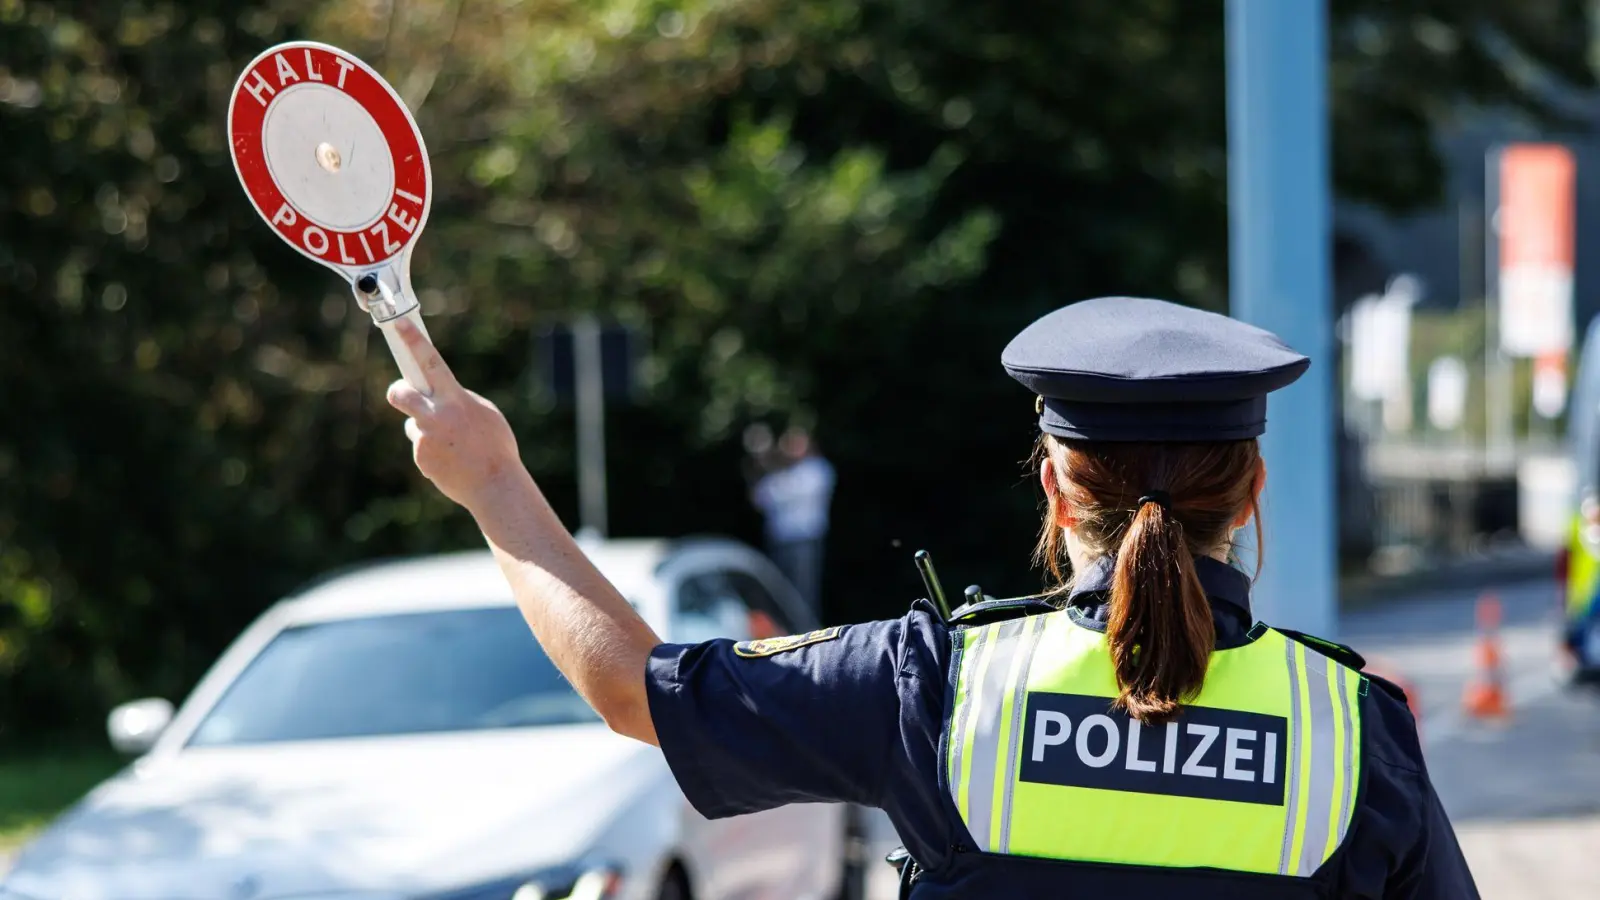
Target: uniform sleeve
(748, 727)
(1402, 845)
(1435, 869)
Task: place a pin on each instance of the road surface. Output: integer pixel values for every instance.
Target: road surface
(1524, 793)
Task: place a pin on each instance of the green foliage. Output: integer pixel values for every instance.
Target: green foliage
(166, 414)
(35, 786)
(831, 211)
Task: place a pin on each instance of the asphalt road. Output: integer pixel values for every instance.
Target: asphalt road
(1541, 762)
(1524, 793)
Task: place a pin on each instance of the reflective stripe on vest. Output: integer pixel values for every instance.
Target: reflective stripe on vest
(1259, 773)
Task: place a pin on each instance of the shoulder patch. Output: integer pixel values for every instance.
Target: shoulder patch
(1339, 653)
(772, 646)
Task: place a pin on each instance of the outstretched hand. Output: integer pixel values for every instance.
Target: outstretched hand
(462, 443)
(459, 440)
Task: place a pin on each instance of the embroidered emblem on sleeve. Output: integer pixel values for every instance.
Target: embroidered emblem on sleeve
(772, 646)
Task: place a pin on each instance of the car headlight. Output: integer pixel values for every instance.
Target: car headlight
(599, 883)
(585, 882)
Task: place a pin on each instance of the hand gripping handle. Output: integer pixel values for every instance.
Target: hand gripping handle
(379, 299)
(410, 368)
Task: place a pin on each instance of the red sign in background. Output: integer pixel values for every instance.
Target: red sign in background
(1537, 217)
(1537, 205)
(294, 64)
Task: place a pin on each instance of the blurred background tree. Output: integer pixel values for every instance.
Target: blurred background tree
(832, 211)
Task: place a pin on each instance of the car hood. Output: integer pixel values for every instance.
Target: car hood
(380, 817)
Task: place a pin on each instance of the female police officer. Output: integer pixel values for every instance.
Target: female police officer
(1133, 734)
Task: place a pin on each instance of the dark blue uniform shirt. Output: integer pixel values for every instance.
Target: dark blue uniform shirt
(857, 718)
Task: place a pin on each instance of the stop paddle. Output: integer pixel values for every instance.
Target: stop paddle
(334, 162)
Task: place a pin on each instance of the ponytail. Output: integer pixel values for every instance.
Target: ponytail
(1160, 630)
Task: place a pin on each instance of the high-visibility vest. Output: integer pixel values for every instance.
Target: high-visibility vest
(1260, 773)
(1583, 569)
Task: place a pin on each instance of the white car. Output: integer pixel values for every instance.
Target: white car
(396, 734)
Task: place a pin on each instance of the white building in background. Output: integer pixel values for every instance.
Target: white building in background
(1444, 247)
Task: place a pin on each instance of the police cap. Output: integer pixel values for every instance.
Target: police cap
(1134, 369)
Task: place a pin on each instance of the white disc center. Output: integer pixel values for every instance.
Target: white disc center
(328, 157)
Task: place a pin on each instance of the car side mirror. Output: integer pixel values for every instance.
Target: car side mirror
(134, 727)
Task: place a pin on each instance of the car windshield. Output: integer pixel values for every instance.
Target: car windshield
(459, 670)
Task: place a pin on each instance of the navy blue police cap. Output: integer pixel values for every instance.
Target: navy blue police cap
(1134, 369)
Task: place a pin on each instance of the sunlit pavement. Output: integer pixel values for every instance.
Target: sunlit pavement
(1553, 858)
(1525, 793)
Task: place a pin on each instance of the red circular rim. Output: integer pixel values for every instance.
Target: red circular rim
(261, 84)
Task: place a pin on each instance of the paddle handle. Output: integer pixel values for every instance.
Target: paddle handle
(410, 368)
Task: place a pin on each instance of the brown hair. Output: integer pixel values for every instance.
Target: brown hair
(1160, 628)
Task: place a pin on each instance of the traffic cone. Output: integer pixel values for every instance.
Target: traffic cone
(1485, 697)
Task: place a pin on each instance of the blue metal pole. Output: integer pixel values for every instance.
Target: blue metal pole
(1279, 232)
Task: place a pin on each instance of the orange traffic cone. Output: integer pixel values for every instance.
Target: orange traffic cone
(1485, 696)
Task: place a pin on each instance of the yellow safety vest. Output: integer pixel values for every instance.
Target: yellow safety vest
(1583, 569)
(1259, 774)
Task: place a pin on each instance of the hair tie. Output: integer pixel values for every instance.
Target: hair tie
(1159, 498)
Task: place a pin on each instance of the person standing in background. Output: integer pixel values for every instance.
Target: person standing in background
(794, 498)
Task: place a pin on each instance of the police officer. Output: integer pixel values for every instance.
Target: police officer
(1133, 733)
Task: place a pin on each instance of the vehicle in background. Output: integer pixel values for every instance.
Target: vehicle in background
(396, 734)
(1579, 562)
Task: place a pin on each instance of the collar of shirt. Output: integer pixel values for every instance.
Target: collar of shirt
(1227, 588)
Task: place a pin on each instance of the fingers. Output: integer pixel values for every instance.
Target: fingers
(413, 430)
(409, 400)
(427, 355)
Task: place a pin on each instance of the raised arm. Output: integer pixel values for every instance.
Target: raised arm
(463, 444)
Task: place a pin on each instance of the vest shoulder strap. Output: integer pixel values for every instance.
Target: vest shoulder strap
(1339, 653)
(986, 612)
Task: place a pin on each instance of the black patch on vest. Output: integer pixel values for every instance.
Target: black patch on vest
(988, 611)
(1211, 754)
